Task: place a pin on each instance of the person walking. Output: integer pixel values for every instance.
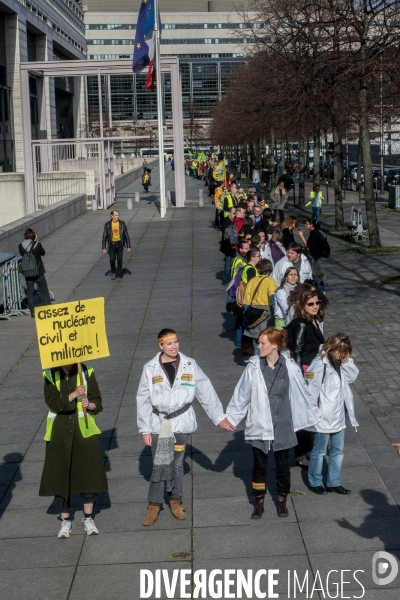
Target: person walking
(288, 225)
(115, 237)
(73, 461)
(144, 165)
(146, 180)
(165, 416)
(275, 400)
(256, 179)
(315, 200)
(329, 377)
(31, 246)
(279, 197)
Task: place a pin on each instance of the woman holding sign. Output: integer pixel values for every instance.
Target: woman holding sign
(165, 415)
(74, 462)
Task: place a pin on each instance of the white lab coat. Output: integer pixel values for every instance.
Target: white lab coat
(284, 263)
(250, 399)
(334, 393)
(155, 390)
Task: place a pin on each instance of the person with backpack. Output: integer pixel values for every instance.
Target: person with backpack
(318, 247)
(329, 377)
(73, 462)
(32, 268)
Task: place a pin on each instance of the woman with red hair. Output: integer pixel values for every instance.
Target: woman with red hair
(275, 400)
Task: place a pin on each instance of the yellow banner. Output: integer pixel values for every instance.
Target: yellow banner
(71, 332)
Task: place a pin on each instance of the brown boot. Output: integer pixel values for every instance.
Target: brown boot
(177, 509)
(152, 514)
(259, 507)
(282, 508)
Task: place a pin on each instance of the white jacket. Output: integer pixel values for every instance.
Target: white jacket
(155, 390)
(281, 304)
(334, 393)
(251, 398)
(284, 263)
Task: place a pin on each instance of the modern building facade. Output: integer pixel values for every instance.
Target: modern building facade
(208, 38)
(36, 30)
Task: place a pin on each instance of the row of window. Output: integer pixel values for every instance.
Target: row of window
(102, 26)
(30, 5)
(107, 42)
(180, 56)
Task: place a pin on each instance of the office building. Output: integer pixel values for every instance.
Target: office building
(209, 39)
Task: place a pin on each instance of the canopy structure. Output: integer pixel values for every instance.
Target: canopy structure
(41, 151)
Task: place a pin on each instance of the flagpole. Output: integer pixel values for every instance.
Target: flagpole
(163, 208)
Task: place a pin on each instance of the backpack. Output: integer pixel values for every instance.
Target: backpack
(29, 265)
(234, 284)
(231, 234)
(324, 246)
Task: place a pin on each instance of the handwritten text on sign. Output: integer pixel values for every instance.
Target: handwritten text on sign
(71, 332)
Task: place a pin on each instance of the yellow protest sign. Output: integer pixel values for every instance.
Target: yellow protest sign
(71, 332)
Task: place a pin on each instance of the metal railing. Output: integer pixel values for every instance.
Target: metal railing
(13, 288)
(65, 168)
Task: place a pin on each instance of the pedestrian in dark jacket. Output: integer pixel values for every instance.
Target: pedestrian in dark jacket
(73, 462)
(115, 236)
(32, 244)
(304, 338)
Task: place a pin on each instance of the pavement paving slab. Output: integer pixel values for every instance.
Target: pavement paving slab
(173, 279)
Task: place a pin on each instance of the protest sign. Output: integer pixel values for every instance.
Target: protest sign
(71, 332)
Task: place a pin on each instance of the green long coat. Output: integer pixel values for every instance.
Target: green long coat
(73, 464)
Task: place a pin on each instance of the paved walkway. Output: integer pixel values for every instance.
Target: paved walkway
(173, 279)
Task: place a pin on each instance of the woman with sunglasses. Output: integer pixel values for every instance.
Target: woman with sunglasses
(304, 338)
(329, 377)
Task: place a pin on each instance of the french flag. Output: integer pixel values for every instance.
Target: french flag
(145, 42)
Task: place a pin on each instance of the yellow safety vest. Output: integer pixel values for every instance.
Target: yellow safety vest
(86, 432)
(237, 262)
(244, 273)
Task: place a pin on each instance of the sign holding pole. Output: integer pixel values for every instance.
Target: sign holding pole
(72, 332)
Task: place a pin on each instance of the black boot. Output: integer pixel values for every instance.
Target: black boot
(282, 508)
(259, 507)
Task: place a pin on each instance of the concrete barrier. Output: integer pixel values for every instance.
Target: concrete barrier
(44, 222)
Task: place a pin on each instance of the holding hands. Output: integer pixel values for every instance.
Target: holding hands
(226, 424)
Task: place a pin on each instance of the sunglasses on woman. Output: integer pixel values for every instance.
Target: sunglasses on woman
(314, 303)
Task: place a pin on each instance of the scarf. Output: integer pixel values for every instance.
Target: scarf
(163, 466)
(288, 287)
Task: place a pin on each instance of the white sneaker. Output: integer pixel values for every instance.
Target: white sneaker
(89, 526)
(65, 530)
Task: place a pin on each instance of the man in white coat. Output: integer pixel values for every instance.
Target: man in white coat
(294, 258)
(165, 416)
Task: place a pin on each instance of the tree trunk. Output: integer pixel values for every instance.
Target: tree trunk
(370, 207)
(328, 164)
(359, 162)
(302, 187)
(316, 154)
(337, 166)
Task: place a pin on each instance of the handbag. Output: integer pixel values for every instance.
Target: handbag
(250, 308)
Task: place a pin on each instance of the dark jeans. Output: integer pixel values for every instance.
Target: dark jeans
(41, 282)
(260, 471)
(281, 216)
(116, 251)
(305, 442)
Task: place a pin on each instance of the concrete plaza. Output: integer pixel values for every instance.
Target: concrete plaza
(173, 279)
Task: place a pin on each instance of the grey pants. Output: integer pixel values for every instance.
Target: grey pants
(156, 490)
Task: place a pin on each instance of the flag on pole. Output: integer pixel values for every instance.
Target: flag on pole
(145, 42)
(219, 171)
